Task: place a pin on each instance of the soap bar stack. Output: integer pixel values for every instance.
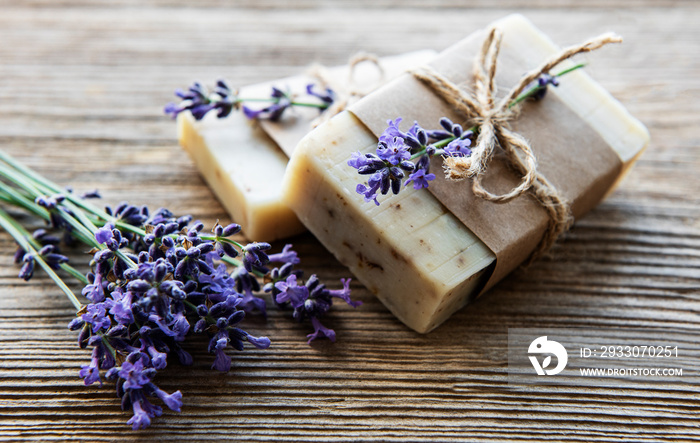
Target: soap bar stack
(411, 251)
(243, 162)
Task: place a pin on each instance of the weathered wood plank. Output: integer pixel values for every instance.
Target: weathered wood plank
(87, 80)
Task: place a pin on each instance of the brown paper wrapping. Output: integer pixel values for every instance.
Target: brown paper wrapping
(296, 123)
(571, 154)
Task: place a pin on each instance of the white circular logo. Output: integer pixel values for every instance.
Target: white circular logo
(541, 345)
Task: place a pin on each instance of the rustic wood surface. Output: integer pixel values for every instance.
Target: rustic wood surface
(82, 84)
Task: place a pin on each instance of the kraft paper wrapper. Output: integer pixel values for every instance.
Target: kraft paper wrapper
(296, 123)
(570, 154)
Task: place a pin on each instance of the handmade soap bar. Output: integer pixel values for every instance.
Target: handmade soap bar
(244, 169)
(410, 251)
(243, 162)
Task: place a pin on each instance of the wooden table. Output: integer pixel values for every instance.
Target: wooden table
(82, 84)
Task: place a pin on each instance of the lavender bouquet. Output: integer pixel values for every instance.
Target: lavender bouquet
(154, 280)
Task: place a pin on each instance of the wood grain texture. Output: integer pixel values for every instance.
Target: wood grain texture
(82, 84)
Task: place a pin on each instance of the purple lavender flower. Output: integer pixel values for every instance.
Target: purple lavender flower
(320, 331)
(273, 112)
(91, 373)
(309, 301)
(19, 255)
(172, 401)
(392, 131)
(141, 419)
(49, 202)
(158, 359)
(542, 82)
(218, 281)
(291, 292)
(254, 257)
(51, 257)
(370, 191)
(94, 291)
(358, 160)
(200, 102)
(222, 362)
(459, 148)
(258, 342)
(104, 234)
(27, 270)
(91, 194)
(392, 159)
(420, 179)
(396, 151)
(416, 138)
(344, 293)
(44, 238)
(246, 284)
(227, 231)
(286, 256)
(368, 163)
(133, 374)
(96, 316)
(326, 96)
(393, 150)
(130, 214)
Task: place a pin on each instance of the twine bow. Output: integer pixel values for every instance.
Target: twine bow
(492, 116)
(348, 92)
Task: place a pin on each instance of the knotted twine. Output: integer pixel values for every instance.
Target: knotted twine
(481, 108)
(348, 92)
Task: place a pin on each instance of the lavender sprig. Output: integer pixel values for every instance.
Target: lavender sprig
(403, 158)
(309, 301)
(200, 101)
(155, 279)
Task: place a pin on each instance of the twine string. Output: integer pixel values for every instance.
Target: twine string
(347, 92)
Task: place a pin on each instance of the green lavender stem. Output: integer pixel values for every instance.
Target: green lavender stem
(15, 230)
(37, 185)
(293, 103)
(533, 90)
(12, 196)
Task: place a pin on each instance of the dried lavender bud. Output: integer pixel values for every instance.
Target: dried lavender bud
(168, 242)
(19, 255)
(326, 96)
(44, 238)
(231, 229)
(542, 82)
(196, 100)
(447, 124)
(91, 194)
(76, 324)
(254, 257)
(27, 270)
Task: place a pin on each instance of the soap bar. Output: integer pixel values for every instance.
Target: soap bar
(243, 162)
(419, 259)
(244, 168)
